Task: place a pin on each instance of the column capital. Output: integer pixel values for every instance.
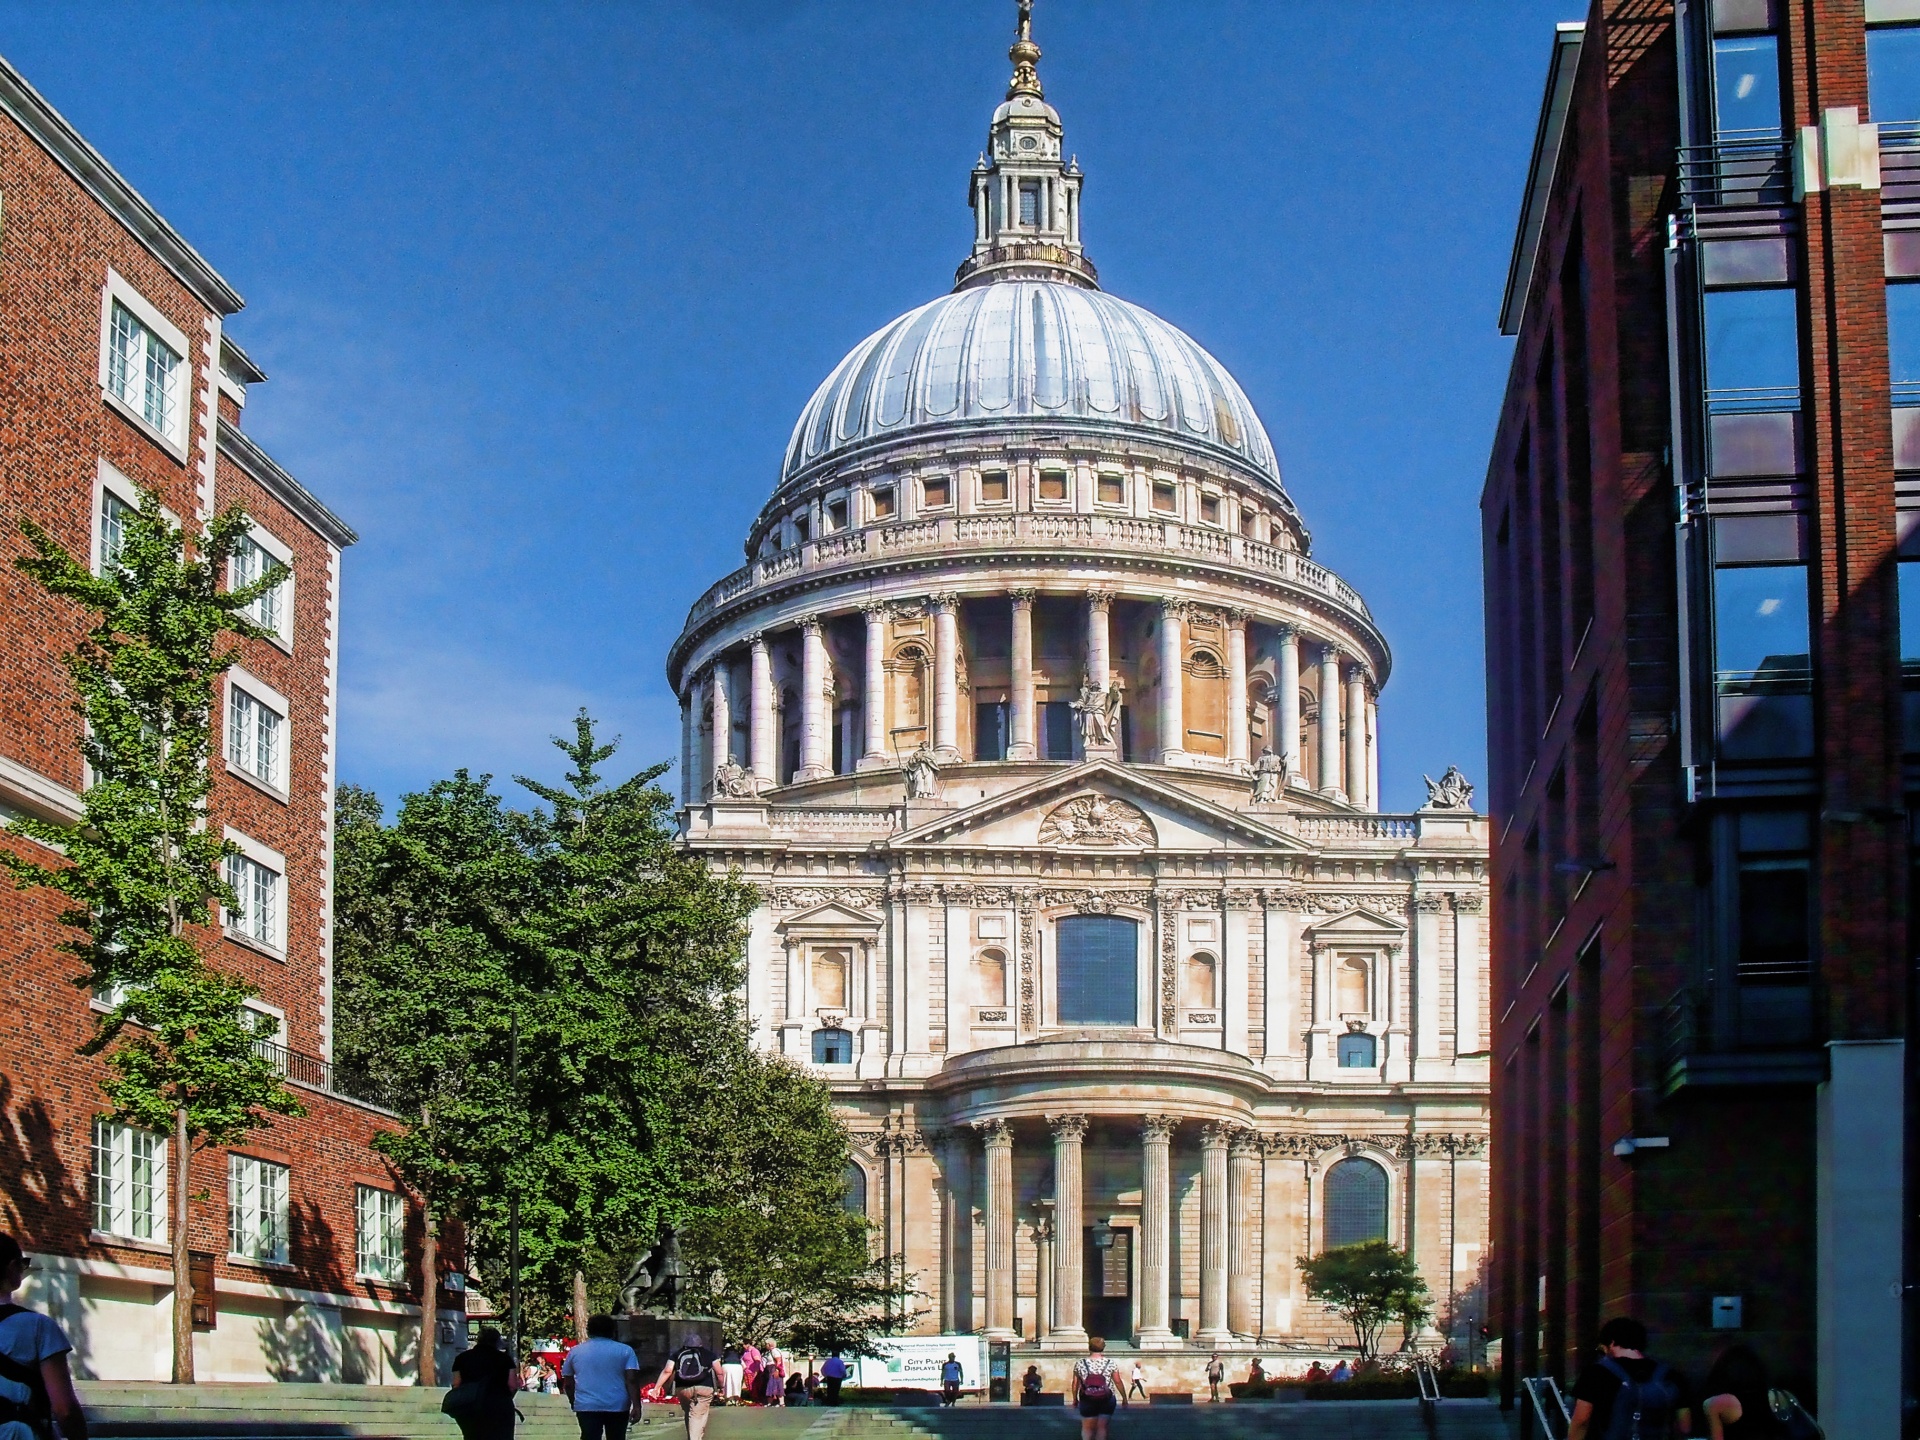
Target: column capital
(1245, 1141)
(1071, 1128)
(1217, 1134)
(944, 603)
(810, 626)
(1159, 1127)
(876, 610)
(1357, 670)
(1237, 616)
(1099, 597)
(1330, 652)
(994, 1132)
(1172, 609)
(1022, 595)
(755, 639)
(1286, 630)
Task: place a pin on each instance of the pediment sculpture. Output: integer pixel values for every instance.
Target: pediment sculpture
(1097, 820)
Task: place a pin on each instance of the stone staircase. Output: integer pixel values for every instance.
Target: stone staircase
(370, 1412)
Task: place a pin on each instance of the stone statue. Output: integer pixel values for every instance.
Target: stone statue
(1099, 712)
(1451, 791)
(654, 1284)
(923, 775)
(734, 781)
(1269, 774)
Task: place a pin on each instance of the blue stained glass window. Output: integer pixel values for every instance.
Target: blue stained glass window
(1746, 87)
(1356, 1202)
(1099, 956)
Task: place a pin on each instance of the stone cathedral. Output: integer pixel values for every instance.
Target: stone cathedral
(1056, 760)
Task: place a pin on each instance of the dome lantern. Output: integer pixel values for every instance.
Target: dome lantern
(1025, 195)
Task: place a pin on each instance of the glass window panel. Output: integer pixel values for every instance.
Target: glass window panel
(1113, 490)
(1029, 204)
(1756, 725)
(1903, 253)
(1357, 1052)
(1053, 484)
(1760, 622)
(114, 515)
(1746, 85)
(832, 1047)
(990, 730)
(883, 502)
(1910, 614)
(1056, 730)
(993, 485)
(1746, 539)
(1893, 73)
(935, 492)
(1356, 1202)
(1763, 444)
(1903, 342)
(1753, 342)
(1764, 832)
(1098, 956)
(1766, 261)
(1774, 945)
(856, 1199)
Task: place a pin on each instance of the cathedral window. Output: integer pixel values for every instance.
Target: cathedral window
(1030, 203)
(993, 486)
(835, 1047)
(836, 514)
(856, 1199)
(1210, 509)
(1098, 962)
(1357, 1051)
(1056, 730)
(802, 528)
(990, 730)
(883, 502)
(1356, 1202)
(1053, 484)
(936, 491)
(1163, 497)
(1112, 490)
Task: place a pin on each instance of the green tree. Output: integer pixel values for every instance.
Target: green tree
(141, 870)
(1370, 1285)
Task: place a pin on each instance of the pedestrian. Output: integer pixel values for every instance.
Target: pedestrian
(751, 1362)
(1031, 1383)
(833, 1374)
(1316, 1374)
(1137, 1385)
(691, 1368)
(1216, 1372)
(796, 1389)
(950, 1377)
(601, 1379)
(491, 1370)
(1625, 1395)
(36, 1388)
(1093, 1389)
(813, 1383)
(732, 1373)
(1342, 1373)
(1737, 1404)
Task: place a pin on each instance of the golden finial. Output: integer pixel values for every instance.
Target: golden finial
(1025, 55)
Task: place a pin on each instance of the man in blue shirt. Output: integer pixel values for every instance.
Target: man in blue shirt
(950, 1377)
(35, 1385)
(601, 1376)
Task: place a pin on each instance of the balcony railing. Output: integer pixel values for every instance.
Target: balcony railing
(1736, 172)
(310, 1072)
(1028, 531)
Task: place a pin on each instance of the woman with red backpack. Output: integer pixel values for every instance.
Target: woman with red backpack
(1094, 1389)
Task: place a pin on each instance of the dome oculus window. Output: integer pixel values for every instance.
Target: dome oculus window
(993, 486)
(834, 1047)
(883, 502)
(1163, 499)
(936, 491)
(1053, 484)
(1112, 490)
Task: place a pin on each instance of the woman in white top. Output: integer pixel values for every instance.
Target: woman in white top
(1093, 1389)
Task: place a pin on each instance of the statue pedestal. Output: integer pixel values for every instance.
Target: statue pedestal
(654, 1338)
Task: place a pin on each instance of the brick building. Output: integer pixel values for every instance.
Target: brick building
(1695, 522)
(116, 373)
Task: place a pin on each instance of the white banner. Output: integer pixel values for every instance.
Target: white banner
(912, 1362)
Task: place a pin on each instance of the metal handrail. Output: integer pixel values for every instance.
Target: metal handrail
(1429, 1386)
(1554, 1419)
(1736, 172)
(312, 1073)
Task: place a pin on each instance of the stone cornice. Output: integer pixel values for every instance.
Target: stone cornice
(239, 447)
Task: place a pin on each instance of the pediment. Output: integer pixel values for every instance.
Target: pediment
(1096, 808)
(1358, 926)
(831, 917)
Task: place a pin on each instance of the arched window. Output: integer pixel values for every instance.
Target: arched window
(1098, 961)
(830, 979)
(834, 1047)
(1356, 1202)
(1352, 986)
(990, 978)
(1197, 989)
(856, 1200)
(1357, 1052)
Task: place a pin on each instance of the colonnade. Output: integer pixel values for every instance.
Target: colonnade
(1229, 1231)
(1346, 771)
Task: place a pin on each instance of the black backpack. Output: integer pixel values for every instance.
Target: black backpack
(37, 1413)
(688, 1366)
(1642, 1409)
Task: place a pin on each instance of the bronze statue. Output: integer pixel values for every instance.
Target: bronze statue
(654, 1285)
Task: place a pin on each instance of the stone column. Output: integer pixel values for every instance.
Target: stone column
(1243, 1253)
(997, 1137)
(1357, 737)
(1286, 710)
(763, 742)
(873, 701)
(956, 1234)
(1236, 686)
(1373, 749)
(946, 677)
(1020, 727)
(1329, 723)
(722, 715)
(1156, 1227)
(1099, 661)
(1173, 721)
(814, 738)
(1068, 1282)
(688, 729)
(1214, 1140)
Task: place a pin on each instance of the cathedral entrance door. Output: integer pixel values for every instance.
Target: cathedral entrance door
(1106, 1307)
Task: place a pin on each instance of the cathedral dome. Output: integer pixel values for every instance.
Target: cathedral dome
(1029, 349)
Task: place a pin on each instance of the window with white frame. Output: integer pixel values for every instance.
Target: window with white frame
(129, 1182)
(257, 1220)
(114, 515)
(378, 1226)
(256, 886)
(255, 736)
(272, 610)
(144, 372)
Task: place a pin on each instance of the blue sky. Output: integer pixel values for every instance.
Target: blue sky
(541, 289)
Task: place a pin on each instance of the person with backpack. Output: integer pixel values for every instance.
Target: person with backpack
(1624, 1395)
(692, 1368)
(36, 1388)
(1093, 1389)
(480, 1400)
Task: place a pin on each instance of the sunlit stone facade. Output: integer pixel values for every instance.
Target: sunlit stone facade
(1057, 762)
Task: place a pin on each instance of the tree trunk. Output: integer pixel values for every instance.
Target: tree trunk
(579, 1305)
(429, 1299)
(182, 1264)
